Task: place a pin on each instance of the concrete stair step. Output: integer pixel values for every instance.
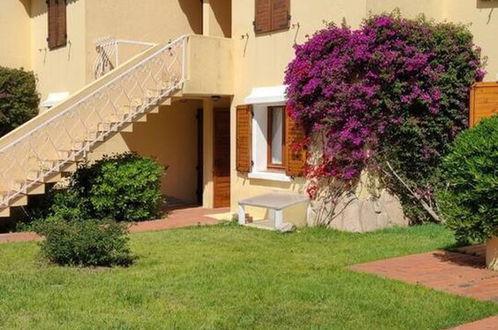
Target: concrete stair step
(52, 178)
(20, 200)
(35, 188)
(5, 212)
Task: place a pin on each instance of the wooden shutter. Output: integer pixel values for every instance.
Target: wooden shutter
(483, 101)
(295, 159)
(61, 23)
(280, 14)
(57, 23)
(52, 23)
(262, 18)
(244, 138)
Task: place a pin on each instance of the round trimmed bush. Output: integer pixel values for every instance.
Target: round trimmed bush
(85, 243)
(18, 98)
(124, 187)
(469, 200)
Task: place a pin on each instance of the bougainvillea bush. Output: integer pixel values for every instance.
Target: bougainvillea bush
(389, 96)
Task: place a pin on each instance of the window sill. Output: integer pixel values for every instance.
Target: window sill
(270, 176)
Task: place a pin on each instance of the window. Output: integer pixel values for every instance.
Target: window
(57, 25)
(267, 141)
(271, 15)
(276, 138)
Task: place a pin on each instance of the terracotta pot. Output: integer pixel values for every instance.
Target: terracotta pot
(492, 253)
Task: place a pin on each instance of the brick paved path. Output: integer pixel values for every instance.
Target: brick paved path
(452, 272)
(490, 323)
(459, 273)
(176, 219)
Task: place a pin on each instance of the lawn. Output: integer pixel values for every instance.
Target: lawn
(228, 277)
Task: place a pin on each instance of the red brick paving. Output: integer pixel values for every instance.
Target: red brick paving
(454, 272)
(18, 237)
(179, 218)
(457, 273)
(490, 323)
(475, 250)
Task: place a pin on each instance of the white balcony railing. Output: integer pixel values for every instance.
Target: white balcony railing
(40, 152)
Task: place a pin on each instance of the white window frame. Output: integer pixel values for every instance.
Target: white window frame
(261, 99)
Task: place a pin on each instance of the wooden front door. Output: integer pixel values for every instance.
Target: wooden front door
(221, 170)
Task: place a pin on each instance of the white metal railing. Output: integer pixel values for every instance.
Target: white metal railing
(108, 48)
(46, 149)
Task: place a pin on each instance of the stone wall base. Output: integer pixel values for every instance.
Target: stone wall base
(367, 208)
(492, 253)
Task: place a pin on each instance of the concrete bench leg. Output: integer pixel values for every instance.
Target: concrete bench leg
(242, 215)
(279, 218)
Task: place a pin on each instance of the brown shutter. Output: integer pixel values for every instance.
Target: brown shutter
(244, 138)
(295, 159)
(61, 23)
(483, 101)
(57, 23)
(280, 14)
(262, 18)
(52, 23)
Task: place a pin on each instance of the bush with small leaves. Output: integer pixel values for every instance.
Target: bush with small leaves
(85, 243)
(18, 98)
(469, 200)
(123, 187)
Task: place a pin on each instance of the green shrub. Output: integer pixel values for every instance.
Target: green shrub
(123, 187)
(18, 98)
(469, 202)
(85, 243)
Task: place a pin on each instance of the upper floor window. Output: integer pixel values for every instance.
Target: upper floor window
(57, 24)
(271, 15)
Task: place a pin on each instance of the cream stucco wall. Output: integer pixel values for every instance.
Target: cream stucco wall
(170, 136)
(71, 67)
(430, 8)
(482, 18)
(261, 61)
(15, 34)
(217, 18)
(61, 69)
(148, 20)
(217, 66)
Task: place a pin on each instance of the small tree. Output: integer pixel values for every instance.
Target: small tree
(388, 97)
(18, 98)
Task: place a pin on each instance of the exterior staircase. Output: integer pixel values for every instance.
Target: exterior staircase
(44, 149)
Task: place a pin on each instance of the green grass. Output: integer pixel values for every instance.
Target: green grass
(228, 277)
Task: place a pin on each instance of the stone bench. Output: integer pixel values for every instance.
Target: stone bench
(274, 202)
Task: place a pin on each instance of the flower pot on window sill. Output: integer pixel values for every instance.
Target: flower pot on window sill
(492, 253)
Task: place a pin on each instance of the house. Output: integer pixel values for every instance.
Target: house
(196, 84)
